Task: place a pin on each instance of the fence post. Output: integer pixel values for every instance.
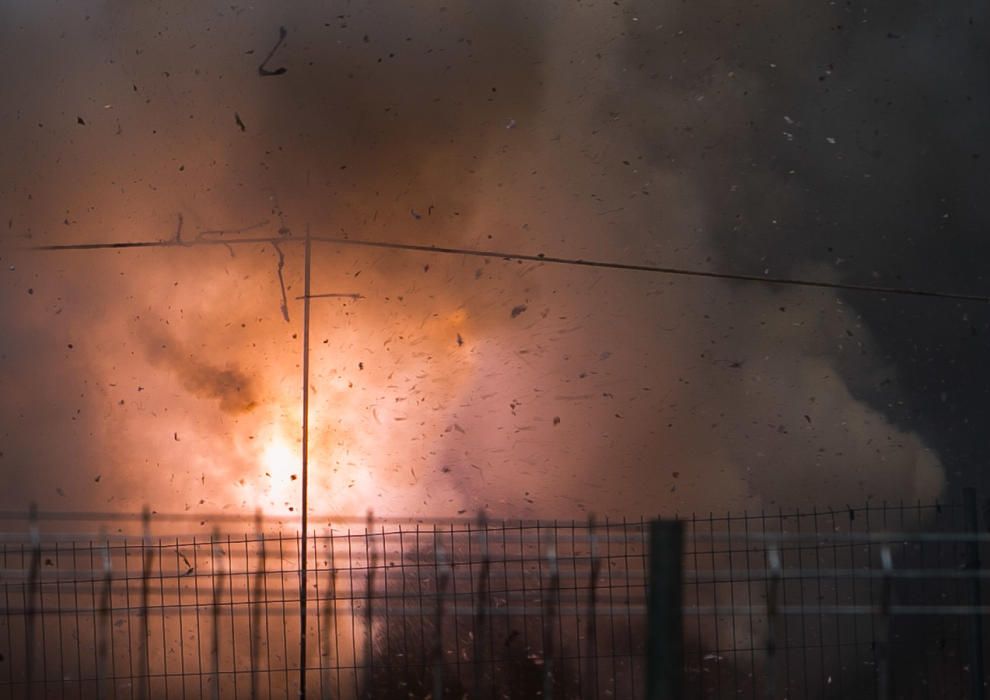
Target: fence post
(591, 632)
(774, 575)
(550, 606)
(144, 675)
(443, 573)
(371, 559)
(106, 631)
(664, 635)
(886, 591)
(481, 609)
(973, 565)
(217, 574)
(33, 589)
(256, 608)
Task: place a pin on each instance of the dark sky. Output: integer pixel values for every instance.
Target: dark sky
(842, 142)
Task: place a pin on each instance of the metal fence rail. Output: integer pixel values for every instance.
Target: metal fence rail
(878, 601)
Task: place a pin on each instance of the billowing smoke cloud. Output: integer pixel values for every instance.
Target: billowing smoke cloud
(231, 387)
(439, 384)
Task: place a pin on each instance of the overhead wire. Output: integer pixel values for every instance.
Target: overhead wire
(535, 258)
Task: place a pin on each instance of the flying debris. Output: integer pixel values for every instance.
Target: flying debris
(264, 72)
(189, 566)
(284, 304)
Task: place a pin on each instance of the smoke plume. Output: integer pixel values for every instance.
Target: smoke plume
(439, 384)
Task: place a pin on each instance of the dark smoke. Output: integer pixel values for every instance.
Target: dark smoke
(851, 139)
(231, 387)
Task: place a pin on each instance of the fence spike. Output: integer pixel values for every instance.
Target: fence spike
(371, 555)
(217, 569)
(144, 675)
(442, 574)
(329, 624)
(549, 615)
(883, 662)
(773, 589)
(259, 589)
(591, 632)
(482, 604)
(104, 614)
(33, 591)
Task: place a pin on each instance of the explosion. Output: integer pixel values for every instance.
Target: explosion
(440, 384)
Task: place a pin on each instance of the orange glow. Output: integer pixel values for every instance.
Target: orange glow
(281, 461)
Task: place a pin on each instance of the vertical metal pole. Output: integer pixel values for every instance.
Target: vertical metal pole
(664, 636)
(972, 525)
(305, 471)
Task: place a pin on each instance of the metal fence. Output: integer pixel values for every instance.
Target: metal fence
(877, 601)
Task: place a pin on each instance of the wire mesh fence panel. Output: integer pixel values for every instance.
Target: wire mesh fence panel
(491, 610)
(801, 604)
(877, 601)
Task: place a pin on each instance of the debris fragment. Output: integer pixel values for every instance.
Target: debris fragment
(516, 310)
(189, 567)
(237, 119)
(284, 305)
(264, 72)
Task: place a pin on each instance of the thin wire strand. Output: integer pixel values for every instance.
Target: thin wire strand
(537, 258)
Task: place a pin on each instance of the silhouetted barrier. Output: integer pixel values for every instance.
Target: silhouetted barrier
(878, 601)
